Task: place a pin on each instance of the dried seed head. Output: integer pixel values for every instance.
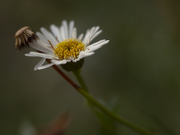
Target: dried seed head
(23, 37)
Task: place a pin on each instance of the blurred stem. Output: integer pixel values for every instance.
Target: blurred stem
(100, 106)
(103, 121)
(109, 113)
(113, 115)
(108, 125)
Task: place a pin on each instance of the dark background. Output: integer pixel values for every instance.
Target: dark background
(139, 70)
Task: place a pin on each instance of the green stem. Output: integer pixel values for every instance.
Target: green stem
(98, 105)
(109, 113)
(113, 115)
(95, 110)
(80, 79)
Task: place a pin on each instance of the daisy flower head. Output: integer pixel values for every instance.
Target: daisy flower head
(62, 45)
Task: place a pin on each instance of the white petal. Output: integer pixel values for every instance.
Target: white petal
(88, 54)
(84, 54)
(41, 46)
(86, 36)
(45, 66)
(86, 42)
(81, 55)
(71, 27)
(40, 63)
(95, 35)
(49, 36)
(62, 33)
(74, 34)
(93, 32)
(97, 46)
(80, 37)
(58, 62)
(42, 55)
(96, 29)
(74, 60)
(56, 32)
(42, 37)
(65, 26)
(96, 43)
(93, 48)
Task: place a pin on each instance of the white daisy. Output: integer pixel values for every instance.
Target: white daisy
(63, 45)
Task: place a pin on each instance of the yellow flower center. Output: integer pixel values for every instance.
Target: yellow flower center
(68, 49)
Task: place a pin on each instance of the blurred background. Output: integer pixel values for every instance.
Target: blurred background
(138, 71)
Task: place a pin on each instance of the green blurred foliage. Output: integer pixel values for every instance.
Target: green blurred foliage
(140, 67)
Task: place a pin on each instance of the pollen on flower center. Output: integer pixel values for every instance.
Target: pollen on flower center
(68, 49)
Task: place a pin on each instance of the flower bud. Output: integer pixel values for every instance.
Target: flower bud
(73, 66)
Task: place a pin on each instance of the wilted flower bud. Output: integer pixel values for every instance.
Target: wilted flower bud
(23, 37)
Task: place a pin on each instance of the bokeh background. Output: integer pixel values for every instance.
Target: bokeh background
(138, 71)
